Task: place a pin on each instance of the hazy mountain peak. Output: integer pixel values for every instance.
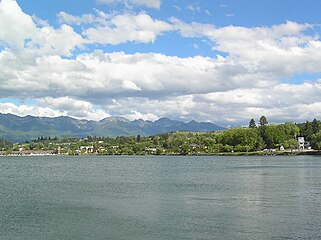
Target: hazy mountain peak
(114, 119)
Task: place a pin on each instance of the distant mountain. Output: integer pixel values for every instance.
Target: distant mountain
(18, 129)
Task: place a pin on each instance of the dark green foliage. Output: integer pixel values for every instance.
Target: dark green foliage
(258, 138)
(316, 141)
(309, 129)
(138, 139)
(263, 121)
(5, 145)
(277, 135)
(252, 123)
(241, 138)
(315, 126)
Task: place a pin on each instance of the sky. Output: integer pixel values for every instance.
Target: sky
(223, 61)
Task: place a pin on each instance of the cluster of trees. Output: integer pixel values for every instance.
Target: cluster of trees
(255, 137)
(311, 131)
(5, 145)
(258, 137)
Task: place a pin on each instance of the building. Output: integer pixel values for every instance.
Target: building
(301, 142)
(87, 149)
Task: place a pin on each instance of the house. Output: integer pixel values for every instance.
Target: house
(150, 150)
(301, 142)
(87, 149)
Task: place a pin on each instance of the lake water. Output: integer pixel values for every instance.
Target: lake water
(160, 197)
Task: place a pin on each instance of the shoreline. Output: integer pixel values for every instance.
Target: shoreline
(260, 153)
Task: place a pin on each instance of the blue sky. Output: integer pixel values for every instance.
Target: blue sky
(222, 61)
(247, 13)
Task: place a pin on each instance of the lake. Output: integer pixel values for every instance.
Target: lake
(149, 197)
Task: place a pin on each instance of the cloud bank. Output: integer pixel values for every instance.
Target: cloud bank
(66, 71)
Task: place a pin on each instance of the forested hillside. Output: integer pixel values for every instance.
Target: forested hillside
(253, 138)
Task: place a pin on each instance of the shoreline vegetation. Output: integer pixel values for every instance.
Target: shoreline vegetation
(261, 139)
(275, 153)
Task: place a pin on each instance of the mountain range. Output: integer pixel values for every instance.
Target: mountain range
(18, 129)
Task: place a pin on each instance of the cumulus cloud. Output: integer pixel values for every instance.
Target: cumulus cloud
(147, 3)
(133, 115)
(73, 107)
(115, 29)
(281, 103)
(20, 33)
(101, 75)
(24, 110)
(51, 107)
(15, 26)
(136, 28)
(283, 49)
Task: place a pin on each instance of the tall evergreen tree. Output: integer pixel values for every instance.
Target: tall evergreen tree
(315, 126)
(308, 131)
(138, 138)
(252, 123)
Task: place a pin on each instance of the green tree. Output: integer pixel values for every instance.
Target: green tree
(252, 123)
(5, 145)
(291, 143)
(138, 138)
(241, 138)
(266, 136)
(308, 131)
(315, 124)
(184, 149)
(155, 141)
(316, 141)
(277, 135)
(263, 121)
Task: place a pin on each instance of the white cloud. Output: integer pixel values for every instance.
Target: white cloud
(127, 27)
(147, 3)
(159, 75)
(133, 115)
(19, 32)
(75, 108)
(99, 18)
(115, 29)
(62, 41)
(50, 107)
(103, 75)
(150, 85)
(24, 110)
(280, 103)
(15, 26)
(282, 50)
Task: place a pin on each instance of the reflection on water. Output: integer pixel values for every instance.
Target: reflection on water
(160, 197)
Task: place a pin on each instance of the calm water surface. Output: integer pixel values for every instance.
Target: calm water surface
(160, 198)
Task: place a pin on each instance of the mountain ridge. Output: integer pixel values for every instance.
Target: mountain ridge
(16, 128)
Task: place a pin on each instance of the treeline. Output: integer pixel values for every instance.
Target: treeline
(5, 145)
(311, 131)
(259, 138)
(255, 137)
